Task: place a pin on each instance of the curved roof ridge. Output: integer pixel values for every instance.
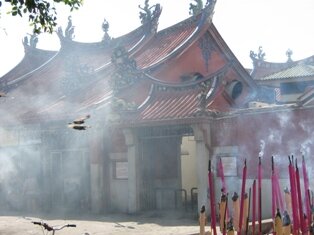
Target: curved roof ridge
(309, 59)
(32, 71)
(190, 84)
(259, 64)
(201, 21)
(158, 86)
(101, 43)
(148, 27)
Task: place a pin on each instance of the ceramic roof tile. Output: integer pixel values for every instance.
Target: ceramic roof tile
(299, 70)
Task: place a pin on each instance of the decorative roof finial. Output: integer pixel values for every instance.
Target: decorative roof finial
(196, 8)
(69, 31)
(261, 54)
(258, 56)
(32, 41)
(289, 53)
(105, 27)
(147, 13)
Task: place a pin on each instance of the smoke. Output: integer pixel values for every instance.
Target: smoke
(262, 148)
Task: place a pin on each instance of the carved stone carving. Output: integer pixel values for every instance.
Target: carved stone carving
(76, 75)
(126, 72)
(205, 44)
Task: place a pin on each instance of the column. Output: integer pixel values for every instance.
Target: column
(96, 173)
(133, 170)
(202, 157)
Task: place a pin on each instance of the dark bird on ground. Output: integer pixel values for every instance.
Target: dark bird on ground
(78, 127)
(81, 120)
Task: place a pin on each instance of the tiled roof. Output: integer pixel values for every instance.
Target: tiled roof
(299, 70)
(167, 105)
(174, 39)
(164, 43)
(264, 68)
(33, 60)
(178, 102)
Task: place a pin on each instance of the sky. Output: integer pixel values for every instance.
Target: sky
(276, 25)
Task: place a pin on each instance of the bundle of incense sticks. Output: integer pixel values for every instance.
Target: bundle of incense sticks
(294, 203)
(223, 211)
(236, 211)
(278, 227)
(202, 220)
(277, 201)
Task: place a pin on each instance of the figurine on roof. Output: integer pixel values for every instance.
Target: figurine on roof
(260, 55)
(32, 41)
(146, 15)
(69, 31)
(196, 8)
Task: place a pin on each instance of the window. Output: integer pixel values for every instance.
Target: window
(120, 169)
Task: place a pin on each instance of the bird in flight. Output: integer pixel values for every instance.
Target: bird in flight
(81, 120)
(77, 124)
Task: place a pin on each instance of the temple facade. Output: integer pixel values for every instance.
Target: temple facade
(160, 105)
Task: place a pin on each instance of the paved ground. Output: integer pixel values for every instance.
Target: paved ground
(147, 223)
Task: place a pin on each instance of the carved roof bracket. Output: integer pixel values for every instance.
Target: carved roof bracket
(126, 72)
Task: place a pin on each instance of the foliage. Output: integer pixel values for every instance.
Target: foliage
(42, 14)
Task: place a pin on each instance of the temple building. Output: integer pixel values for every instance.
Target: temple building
(156, 106)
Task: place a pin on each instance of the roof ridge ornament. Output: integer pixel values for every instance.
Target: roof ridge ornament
(289, 53)
(258, 56)
(69, 31)
(32, 42)
(149, 15)
(196, 8)
(105, 27)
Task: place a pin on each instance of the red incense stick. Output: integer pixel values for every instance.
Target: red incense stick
(298, 188)
(259, 196)
(212, 199)
(253, 206)
(307, 195)
(242, 196)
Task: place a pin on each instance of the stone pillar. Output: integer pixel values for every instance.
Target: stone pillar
(96, 173)
(202, 157)
(133, 170)
(96, 178)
